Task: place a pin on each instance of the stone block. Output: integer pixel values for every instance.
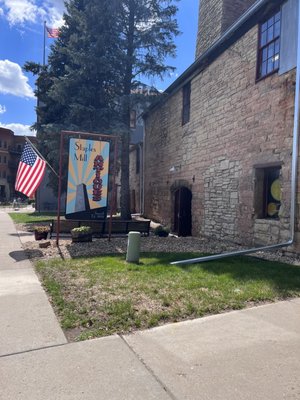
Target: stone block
(44, 244)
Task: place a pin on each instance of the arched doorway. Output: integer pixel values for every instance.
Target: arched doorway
(183, 212)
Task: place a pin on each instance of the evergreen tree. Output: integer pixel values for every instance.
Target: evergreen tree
(105, 49)
(147, 29)
(78, 88)
(85, 63)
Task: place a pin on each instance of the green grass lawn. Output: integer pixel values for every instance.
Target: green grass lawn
(31, 218)
(104, 295)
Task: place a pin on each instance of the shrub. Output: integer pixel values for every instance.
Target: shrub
(161, 231)
(82, 229)
(41, 228)
(82, 234)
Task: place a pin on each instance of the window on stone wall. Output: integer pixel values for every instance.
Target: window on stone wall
(269, 46)
(186, 103)
(267, 200)
(3, 174)
(133, 119)
(5, 144)
(4, 159)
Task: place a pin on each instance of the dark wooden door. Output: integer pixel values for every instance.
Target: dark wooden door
(183, 212)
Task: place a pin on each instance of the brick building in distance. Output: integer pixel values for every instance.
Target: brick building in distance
(218, 148)
(11, 147)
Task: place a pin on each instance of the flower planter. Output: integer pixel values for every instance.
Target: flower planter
(83, 237)
(161, 231)
(82, 234)
(40, 235)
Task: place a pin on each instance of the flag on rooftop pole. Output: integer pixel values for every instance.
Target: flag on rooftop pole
(30, 172)
(53, 33)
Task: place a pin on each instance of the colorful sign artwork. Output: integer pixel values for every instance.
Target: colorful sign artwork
(87, 179)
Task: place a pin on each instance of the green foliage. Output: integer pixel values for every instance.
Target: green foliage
(77, 90)
(41, 228)
(161, 231)
(82, 229)
(30, 218)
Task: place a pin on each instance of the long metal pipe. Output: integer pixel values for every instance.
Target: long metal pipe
(293, 180)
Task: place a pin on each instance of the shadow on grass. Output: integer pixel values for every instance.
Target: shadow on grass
(285, 277)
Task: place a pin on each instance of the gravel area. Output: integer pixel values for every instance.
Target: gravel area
(117, 245)
(152, 243)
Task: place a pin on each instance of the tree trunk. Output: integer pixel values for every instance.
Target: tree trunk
(125, 186)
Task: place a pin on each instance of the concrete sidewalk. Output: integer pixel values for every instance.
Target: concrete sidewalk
(249, 354)
(27, 319)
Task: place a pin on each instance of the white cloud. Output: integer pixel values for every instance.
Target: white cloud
(19, 129)
(21, 12)
(54, 10)
(13, 81)
(2, 109)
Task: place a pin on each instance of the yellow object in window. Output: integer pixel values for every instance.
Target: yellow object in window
(276, 190)
(272, 209)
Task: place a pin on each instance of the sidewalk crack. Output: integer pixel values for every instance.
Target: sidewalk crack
(158, 380)
(32, 350)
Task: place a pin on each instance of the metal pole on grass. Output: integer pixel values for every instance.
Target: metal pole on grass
(113, 197)
(59, 188)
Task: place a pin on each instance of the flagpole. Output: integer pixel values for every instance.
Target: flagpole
(43, 158)
(44, 52)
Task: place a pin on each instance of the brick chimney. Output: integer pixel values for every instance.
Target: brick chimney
(215, 16)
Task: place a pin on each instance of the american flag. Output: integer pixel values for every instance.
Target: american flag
(53, 33)
(31, 171)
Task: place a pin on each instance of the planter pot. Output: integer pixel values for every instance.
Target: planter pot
(83, 237)
(163, 234)
(40, 235)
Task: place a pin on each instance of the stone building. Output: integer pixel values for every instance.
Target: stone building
(218, 148)
(141, 97)
(11, 147)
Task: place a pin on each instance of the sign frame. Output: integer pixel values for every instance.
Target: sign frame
(99, 137)
(88, 176)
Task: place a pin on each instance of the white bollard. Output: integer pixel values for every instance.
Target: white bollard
(133, 247)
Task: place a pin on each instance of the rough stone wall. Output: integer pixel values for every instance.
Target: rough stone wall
(209, 25)
(232, 10)
(221, 199)
(215, 16)
(236, 124)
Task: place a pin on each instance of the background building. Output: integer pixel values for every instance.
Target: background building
(11, 147)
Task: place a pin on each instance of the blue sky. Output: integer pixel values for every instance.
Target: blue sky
(21, 28)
